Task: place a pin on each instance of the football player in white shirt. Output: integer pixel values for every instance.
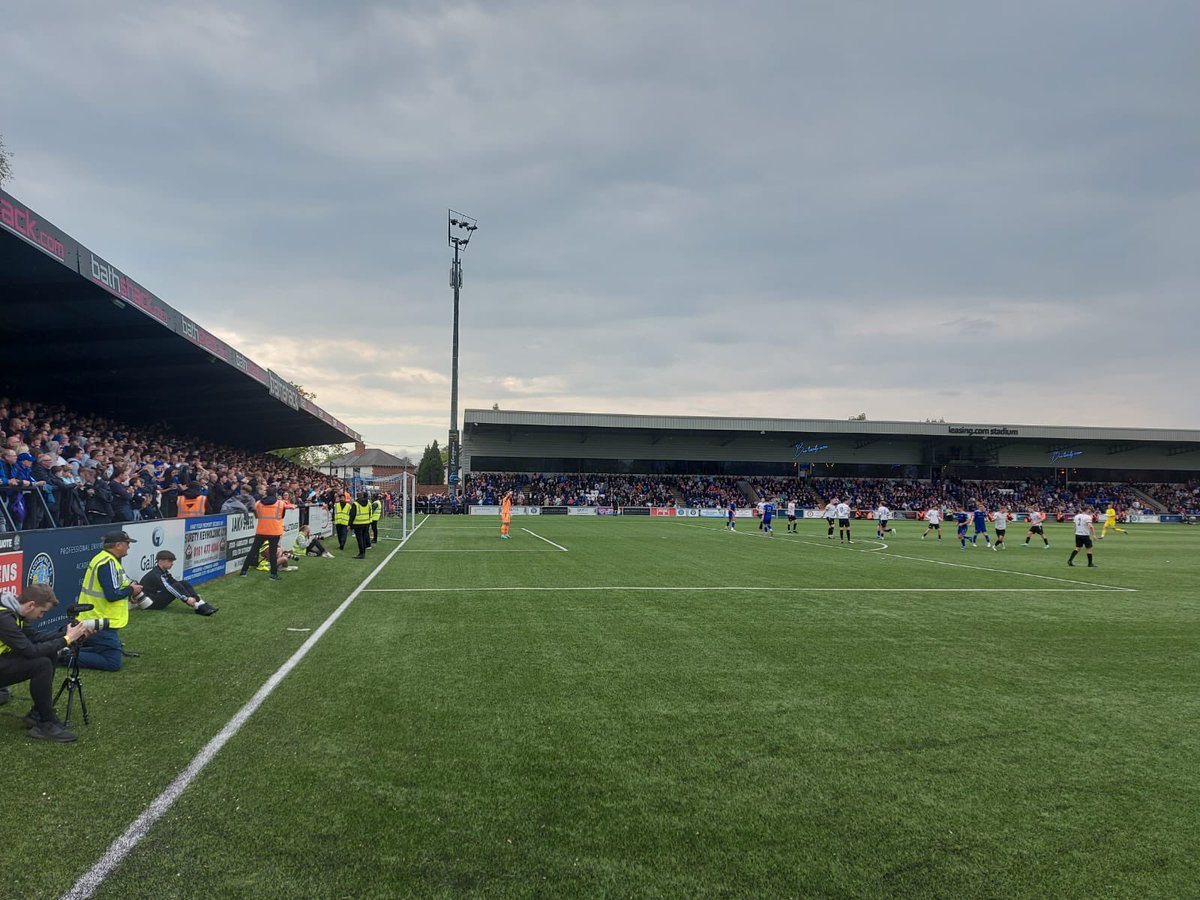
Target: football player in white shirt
(843, 514)
(831, 514)
(791, 511)
(882, 515)
(1000, 520)
(1036, 518)
(1085, 531)
(934, 518)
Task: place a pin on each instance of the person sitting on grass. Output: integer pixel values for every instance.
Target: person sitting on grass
(283, 559)
(160, 587)
(307, 545)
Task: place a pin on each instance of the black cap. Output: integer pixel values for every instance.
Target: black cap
(116, 537)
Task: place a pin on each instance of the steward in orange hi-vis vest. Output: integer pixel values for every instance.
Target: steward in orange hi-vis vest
(191, 502)
(505, 514)
(269, 529)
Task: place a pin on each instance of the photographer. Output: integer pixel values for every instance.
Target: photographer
(108, 590)
(160, 587)
(27, 654)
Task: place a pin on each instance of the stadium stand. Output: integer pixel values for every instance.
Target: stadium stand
(90, 469)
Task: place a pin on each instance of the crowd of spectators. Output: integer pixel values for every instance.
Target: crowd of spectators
(709, 493)
(486, 488)
(1178, 499)
(63, 468)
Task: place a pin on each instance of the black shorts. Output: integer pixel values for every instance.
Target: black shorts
(1000, 532)
(1083, 540)
(791, 518)
(1035, 529)
(883, 523)
(843, 523)
(936, 526)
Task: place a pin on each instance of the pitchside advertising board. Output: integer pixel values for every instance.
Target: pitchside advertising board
(204, 548)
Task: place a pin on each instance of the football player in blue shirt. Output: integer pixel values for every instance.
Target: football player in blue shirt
(981, 519)
(730, 520)
(768, 514)
(962, 518)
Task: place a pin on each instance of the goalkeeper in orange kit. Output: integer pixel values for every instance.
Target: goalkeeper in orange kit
(505, 514)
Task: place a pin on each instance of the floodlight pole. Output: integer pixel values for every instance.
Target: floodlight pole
(459, 229)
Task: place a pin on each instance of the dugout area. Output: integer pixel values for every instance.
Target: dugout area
(80, 332)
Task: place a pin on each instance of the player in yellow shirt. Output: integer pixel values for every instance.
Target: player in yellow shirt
(1110, 521)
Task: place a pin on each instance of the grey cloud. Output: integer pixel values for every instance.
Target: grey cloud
(716, 199)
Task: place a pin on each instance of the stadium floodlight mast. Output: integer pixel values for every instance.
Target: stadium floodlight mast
(459, 230)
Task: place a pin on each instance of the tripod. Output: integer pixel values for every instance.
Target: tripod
(72, 685)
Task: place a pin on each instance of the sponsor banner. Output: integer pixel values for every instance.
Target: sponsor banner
(635, 510)
(99, 271)
(662, 510)
(813, 514)
(581, 510)
(713, 513)
(553, 511)
(605, 511)
(690, 512)
(283, 390)
(320, 521)
(1172, 519)
(58, 558)
(12, 570)
(492, 510)
(291, 528)
(239, 536)
(159, 534)
(744, 514)
(10, 541)
(19, 219)
(204, 548)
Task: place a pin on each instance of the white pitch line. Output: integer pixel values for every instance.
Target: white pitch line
(488, 550)
(91, 880)
(880, 545)
(943, 562)
(777, 590)
(547, 540)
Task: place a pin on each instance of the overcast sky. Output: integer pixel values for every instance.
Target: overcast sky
(986, 212)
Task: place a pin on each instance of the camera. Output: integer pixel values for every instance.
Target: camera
(75, 609)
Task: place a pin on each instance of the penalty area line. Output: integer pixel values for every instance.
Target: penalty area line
(758, 589)
(547, 540)
(91, 880)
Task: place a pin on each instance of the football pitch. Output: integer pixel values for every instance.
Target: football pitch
(642, 708)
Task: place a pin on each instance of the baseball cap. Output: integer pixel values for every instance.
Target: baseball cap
(116, 537)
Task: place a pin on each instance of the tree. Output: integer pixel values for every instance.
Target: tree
(310, 457)
(861, 417)
(431, 469)
(5, 162)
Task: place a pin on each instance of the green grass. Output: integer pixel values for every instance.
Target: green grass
(971, 731)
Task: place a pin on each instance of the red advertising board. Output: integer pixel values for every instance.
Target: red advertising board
(11, 572)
